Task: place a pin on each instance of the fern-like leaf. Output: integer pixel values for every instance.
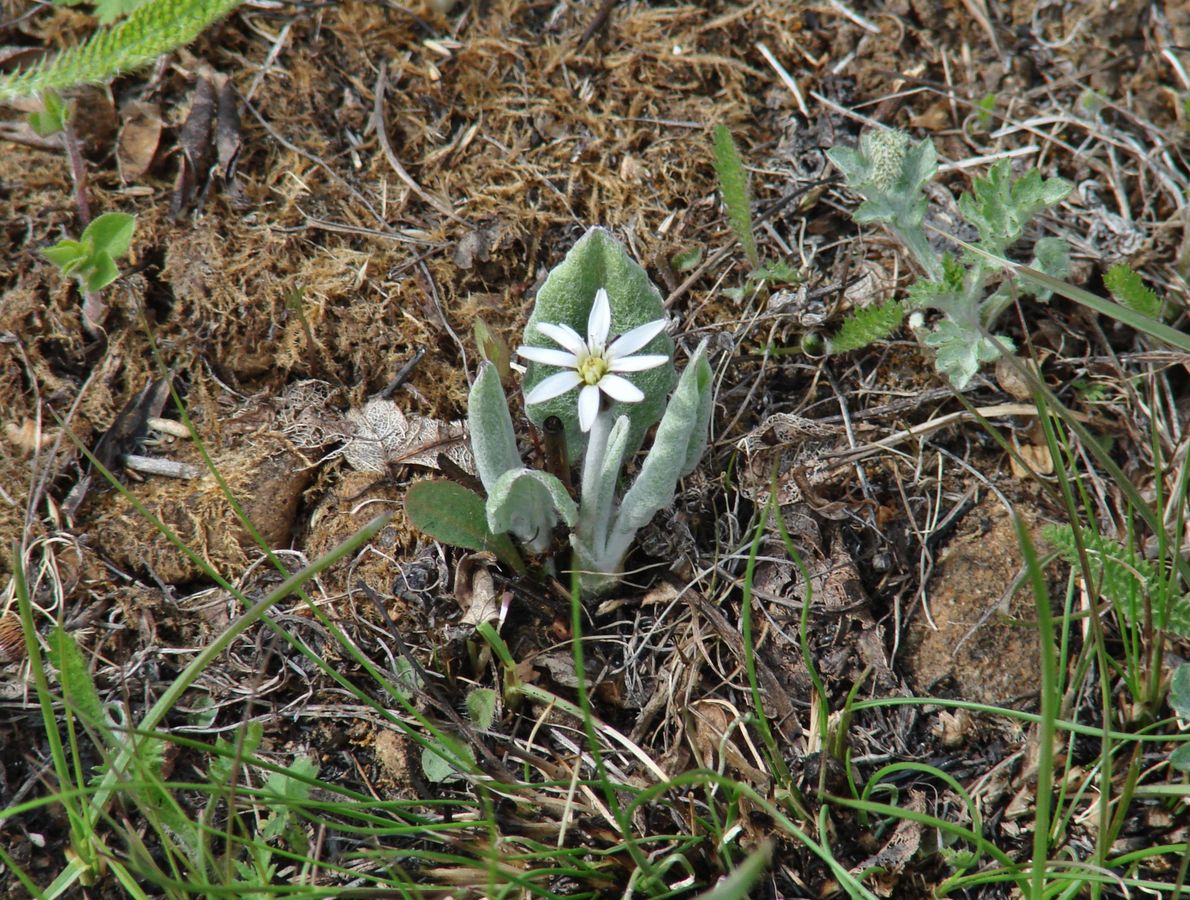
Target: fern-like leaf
(864, 326)
(157, 27)
(733, 182)
(1125, 578)
(1128, 288)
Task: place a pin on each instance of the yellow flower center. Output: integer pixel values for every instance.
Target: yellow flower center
(592, 369)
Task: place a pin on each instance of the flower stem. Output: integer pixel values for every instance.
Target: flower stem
(592, 467)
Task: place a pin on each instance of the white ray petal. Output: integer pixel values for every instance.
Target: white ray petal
(548, 357)
(563, 336)
(599, 323)
(588, 406)
(554, 386)
(620, 389)
(631, 341)
(638, 363)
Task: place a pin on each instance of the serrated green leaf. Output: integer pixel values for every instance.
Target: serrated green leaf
(455, 515)
(1179, 691)
(864, 326)
(438, 759)
(493, 442)
(1180, 758)
(1124, 577)
(481, 707)
(959, 352)
(733, 184)
(1128, 288)
(78, 690)
(155, 28)
(1000, 207)
(110, 233)
(283, 786)
(596, 261)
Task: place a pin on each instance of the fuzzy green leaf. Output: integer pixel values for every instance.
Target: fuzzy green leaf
(1000, 206)
(438, 760)
(481, 707)
(1051, 255)
(489, 423)
(528, 503)
(1179, 691)
(78, 689)
(733, 183)
(1180, 758)
(959, 351)
(155, 28)
(110, 233)
(686, 260)
(596, 261)
(680, 441)
(1128, 288)
(867, 325)
(493, 349)
(451, 513)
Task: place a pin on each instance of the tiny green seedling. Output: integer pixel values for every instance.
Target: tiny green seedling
(607, 392)
(970, 291)
(91, 260)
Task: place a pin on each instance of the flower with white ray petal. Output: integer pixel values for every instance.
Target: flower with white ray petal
(593, 364)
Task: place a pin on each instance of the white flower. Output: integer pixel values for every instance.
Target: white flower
(592, 363)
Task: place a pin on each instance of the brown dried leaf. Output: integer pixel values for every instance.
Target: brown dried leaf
(780, 444)
(383, 435)
(195, 141)
(27, 436)
(715, 732)
(140, 136)
(475, 590)
(227, 129)
(903, 843)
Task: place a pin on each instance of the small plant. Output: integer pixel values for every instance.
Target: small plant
(91, 260)
(606, 393)
(971, 291)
